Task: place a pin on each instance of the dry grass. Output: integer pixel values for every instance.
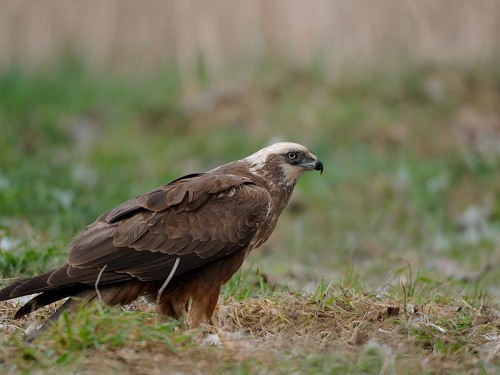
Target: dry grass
(346, 322)
(337, 328)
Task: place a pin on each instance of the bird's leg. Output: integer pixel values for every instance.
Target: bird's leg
(203, 306)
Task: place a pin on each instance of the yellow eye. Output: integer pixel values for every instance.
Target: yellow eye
(292, 155)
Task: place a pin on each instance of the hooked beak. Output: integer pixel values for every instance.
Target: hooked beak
(318, 166)
(315, 164)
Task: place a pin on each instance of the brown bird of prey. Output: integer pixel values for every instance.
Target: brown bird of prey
(177, 244)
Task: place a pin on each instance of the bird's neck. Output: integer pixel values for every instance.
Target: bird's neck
(280, 188)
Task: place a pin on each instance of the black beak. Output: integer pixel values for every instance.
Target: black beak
(318, 166)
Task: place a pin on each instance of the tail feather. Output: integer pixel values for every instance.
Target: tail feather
(47, 292)
(42, 283)
(26, 287)
(6, 293)
(46, 298)
(114, 294)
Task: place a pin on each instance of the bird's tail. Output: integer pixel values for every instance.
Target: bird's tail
(47, 294)
(38, 284)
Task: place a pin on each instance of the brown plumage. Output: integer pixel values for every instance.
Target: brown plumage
(177, 244)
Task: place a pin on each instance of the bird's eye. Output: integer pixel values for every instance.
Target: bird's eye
(292, 155)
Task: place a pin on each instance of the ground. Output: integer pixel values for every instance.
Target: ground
(387, 263)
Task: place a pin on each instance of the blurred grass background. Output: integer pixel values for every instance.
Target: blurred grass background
(101, 101)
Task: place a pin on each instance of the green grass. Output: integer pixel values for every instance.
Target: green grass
(406, 213)
(78, 337)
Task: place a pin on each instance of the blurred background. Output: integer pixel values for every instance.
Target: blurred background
(223, 39)
(103, 100)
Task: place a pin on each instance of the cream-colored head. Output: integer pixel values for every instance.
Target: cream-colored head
(284, 162)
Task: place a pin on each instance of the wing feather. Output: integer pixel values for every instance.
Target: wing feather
(198, 218)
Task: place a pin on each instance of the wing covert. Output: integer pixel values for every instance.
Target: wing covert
(144, 245)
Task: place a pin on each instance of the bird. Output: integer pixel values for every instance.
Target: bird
(177, 244)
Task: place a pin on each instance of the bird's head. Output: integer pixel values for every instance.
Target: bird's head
(284, 163)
